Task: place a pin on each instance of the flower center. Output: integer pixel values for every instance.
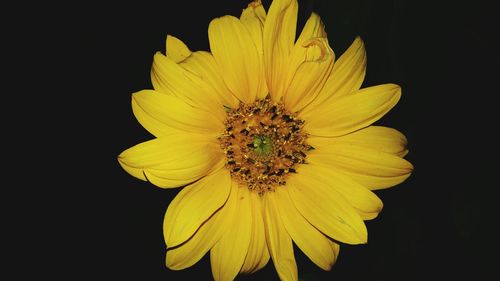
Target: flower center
(263, 143)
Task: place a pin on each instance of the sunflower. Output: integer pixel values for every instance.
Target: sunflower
(271, 138)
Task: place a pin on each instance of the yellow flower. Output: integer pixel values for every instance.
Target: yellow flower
(272, 139)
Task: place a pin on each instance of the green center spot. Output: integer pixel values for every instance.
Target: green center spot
(262, 145)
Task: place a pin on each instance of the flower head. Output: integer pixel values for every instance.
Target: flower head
(272, 139)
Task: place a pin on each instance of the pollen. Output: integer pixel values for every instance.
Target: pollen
(263, 144)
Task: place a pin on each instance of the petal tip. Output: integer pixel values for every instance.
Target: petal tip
(255, 4)
(359, 40)
(395, 87)
(171, 263)
(176, 49)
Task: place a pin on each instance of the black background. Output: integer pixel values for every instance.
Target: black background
(80, 215)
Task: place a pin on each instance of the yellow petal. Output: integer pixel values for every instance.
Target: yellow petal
(372, 168)
(160, 151)
(335, 248)
(258, 254)
(171, 177)
(379, 138)
(135, 172)
(155, 127)
(376, 182)
(190, 252)
(366, 203)
(173, 112)
(182, 158)
(253, 18)
(311, 62)
(176, 49)
(170, 78)
(227, 255)
(325, 208)
(346, 76)
(254, 9)
(346, 114)
(165, 182)
(312, 242)
(236, 55)
(203, 65)
(194, 205)
(278, 240)
(278, 42)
